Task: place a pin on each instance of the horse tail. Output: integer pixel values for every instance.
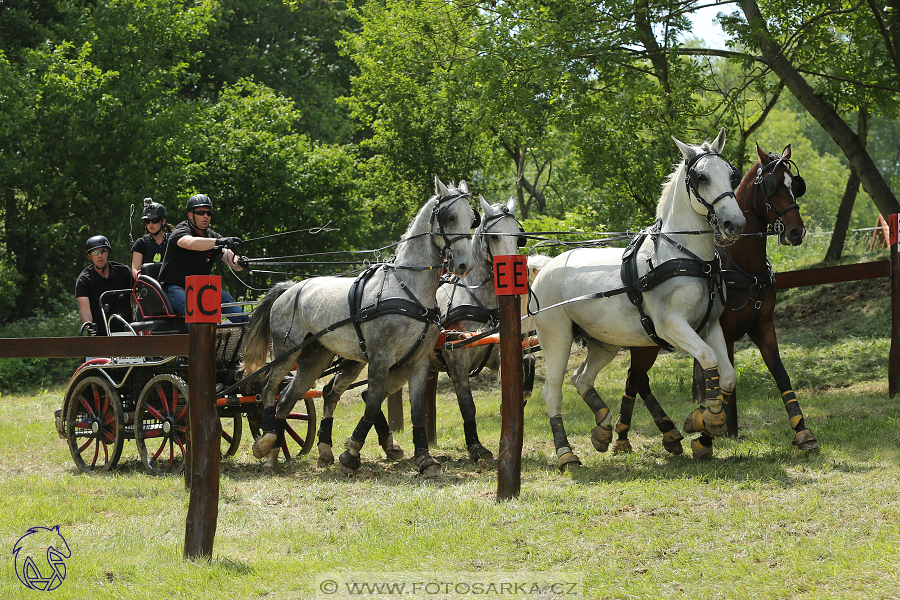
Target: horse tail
(259, 333)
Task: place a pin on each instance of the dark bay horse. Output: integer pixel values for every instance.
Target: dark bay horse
(767, 196)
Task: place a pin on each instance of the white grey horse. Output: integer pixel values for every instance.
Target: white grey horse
(392, 326)
(472, 305)
(684, 309)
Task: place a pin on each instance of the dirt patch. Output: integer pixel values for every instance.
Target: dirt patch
(819, 307)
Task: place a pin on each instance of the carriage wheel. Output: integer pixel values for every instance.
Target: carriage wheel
(161, 425)
(294, 425)
(232, 426)
(95, 425)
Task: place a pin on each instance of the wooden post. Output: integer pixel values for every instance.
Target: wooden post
(894, 356)
(431, 408)
(395, 410)
(203, 313)
(510, 279)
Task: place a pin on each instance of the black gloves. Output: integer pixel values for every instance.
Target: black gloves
(91, 329)
(228, 242)
(243, 262)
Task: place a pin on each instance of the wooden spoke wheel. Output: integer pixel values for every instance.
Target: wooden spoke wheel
(95, 425)
(299, 430)
(161, 425)
(232, 426)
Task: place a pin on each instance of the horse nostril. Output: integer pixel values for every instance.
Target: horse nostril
(461, 268)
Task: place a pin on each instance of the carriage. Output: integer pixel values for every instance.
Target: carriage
(112, 399)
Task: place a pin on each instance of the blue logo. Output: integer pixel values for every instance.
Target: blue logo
(39, 557)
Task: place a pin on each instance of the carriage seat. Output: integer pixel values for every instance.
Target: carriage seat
(153, 303)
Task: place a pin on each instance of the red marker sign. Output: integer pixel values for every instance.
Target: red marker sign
(892, 224)
(203, 299)
(510, 275)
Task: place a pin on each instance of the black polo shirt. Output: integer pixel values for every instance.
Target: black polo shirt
(91, 284)
(180, 262)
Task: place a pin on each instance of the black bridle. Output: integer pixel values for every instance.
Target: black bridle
(692, 182)
(767, 183)
(441, 215)
(490, 221)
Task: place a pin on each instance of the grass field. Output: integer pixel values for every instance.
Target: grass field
(759, 520)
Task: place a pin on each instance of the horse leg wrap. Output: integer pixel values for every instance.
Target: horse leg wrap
(622, 445)
(528, 370)
(714, 414)
(471, 430)
(325, 426)
(349, 458)
(803, 438)
(269, 422)
(361, 431)
(702, 447)
(601, 435)
(420, 439)
(564, 454)
(473, 444)
(386, 439)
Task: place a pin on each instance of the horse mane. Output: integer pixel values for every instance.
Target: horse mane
(677, 175)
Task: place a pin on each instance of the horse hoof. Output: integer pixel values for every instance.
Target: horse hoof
(621, 447)
(700, 451)
(693, 423)
(805, 440)
(349, 463)
(271, 465)
(426, 465)
(391, 448)
(601, 437)
(478, 452)
(326, 456)
(672, 442)
(431, 472)
(715, 423)
(568, 462)
(264, 444)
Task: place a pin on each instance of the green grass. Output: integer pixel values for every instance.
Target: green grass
(759, 520)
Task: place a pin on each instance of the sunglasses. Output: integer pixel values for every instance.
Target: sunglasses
(155, 221)
(202, 213)
(98, 251)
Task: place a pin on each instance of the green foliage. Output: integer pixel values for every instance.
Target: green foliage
(18, 374)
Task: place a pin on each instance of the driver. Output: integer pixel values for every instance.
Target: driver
(191, 249)
(102, 276)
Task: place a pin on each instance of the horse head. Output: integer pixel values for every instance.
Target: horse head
(499, 232)
(709, 182)
(37, 544)
(451, 221)
(775, 192)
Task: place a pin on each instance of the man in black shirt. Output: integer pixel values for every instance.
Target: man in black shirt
(191, 249)
(102, 276)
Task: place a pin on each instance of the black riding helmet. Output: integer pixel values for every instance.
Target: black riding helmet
(153, 210)
(97, 241)
(198, 200)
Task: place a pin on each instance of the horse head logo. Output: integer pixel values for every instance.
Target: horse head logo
(39, 557)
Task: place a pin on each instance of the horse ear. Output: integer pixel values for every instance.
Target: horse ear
(439, 188)
(511, 204)
(686, 151)
(786, 153)
(763, 156)
(463, 187)
(718, 143)
(485, 207)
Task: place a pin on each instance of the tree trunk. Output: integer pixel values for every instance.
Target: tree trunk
(842, 222)
(827, 117)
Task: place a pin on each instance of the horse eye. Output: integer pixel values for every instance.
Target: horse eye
(494, 238)
(451, 219)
